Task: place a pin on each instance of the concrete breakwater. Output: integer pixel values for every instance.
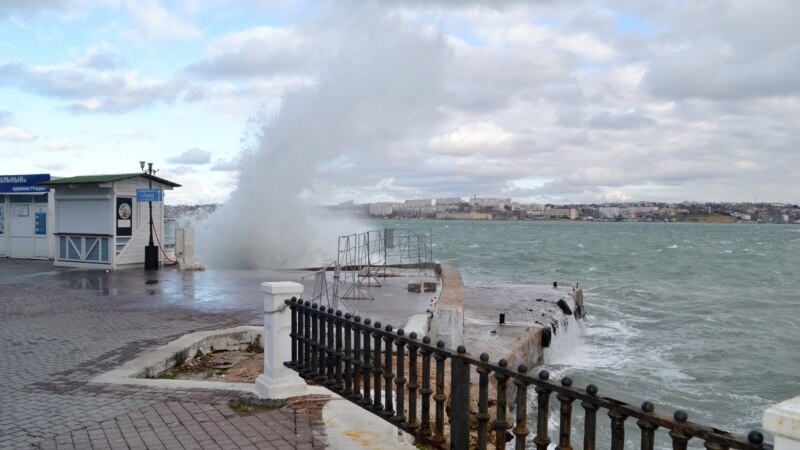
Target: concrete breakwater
(534, 317)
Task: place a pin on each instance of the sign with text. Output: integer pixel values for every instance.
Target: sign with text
(23, 183)
(148, 195)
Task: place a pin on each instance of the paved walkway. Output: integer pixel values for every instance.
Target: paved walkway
(58, 329)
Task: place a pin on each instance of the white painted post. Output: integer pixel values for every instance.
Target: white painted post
(783, 422)
(278, 381)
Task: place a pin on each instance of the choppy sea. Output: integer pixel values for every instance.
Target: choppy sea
(702, 317)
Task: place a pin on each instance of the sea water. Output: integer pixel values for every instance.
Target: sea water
(701, 317)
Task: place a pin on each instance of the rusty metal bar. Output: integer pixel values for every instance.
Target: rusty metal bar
(330, 351)
(314, 341)
(521, 430)
(565, 419)
(357, 395)
(293, 334)
(649, 428)
(321, 346)
(679, 437)
(439, 397)
(590, 419)
(366, 365)
(338, 355)
(400, 381)
(348, 356)
(459, 400)
(413, 385)
(306, 340)
(426, 391)
(376, 368)
(483, 402)
(501, 424)
(542, 440)
(388, 376)
(617, 429)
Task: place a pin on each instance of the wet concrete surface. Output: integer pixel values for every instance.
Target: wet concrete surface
(526, 308)
(61, 327)
(221, 290)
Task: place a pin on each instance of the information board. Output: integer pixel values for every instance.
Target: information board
(148, 195)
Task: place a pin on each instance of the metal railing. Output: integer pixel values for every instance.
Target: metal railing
(361, 360)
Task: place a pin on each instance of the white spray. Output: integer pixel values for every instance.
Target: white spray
(380, 83)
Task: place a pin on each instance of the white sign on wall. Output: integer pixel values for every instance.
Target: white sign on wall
(19, 210)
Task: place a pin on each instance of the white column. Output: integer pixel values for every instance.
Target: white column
(278, 381)
(783, 422)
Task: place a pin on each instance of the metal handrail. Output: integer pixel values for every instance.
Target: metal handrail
(354, 358)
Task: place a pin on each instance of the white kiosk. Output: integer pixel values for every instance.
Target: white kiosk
(26, 217)
(99, 222)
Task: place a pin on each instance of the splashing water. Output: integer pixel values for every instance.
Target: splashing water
(381, 83)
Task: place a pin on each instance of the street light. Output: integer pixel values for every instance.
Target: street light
(150, 251)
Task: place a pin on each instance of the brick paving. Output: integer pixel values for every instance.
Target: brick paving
(55, 336)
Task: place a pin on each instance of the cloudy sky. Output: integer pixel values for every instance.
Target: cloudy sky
(548, 101)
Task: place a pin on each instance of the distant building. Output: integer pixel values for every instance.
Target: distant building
(382, 209)
(561, 213)
(418, 203)
(449, 201)
(464, 216)
(490, 202)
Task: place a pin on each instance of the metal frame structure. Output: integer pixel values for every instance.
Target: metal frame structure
(362, 258)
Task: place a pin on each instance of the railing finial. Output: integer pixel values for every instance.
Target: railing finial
(755, 437)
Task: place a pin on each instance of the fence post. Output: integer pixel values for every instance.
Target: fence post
(459, 400)
(783, 422)
(278, 381)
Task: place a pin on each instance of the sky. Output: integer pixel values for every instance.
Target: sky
(546, 101)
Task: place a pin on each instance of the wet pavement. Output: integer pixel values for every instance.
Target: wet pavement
(60, 327)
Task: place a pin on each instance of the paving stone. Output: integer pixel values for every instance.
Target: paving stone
(55, 337)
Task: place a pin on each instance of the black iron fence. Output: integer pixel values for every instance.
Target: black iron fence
(395, 376)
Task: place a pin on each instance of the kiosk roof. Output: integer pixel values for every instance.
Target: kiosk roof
(92, 179)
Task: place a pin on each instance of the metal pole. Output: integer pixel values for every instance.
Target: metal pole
(150, 251)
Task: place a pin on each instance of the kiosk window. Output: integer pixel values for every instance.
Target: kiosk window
(2, 218)
(41, 198)
(20, 198)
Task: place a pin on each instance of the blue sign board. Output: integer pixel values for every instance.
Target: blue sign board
(23, 183)
(148, 195)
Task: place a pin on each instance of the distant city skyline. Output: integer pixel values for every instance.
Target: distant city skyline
(543, 102)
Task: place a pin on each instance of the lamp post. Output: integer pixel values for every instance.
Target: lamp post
(150, 251)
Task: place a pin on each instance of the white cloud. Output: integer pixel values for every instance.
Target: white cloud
(258, 52)
(60, 144)
(481, 137)
(91, 90)
(155, 23)
(193, 156)
(16, 134)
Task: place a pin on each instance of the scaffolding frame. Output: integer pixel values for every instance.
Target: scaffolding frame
(364, 257)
